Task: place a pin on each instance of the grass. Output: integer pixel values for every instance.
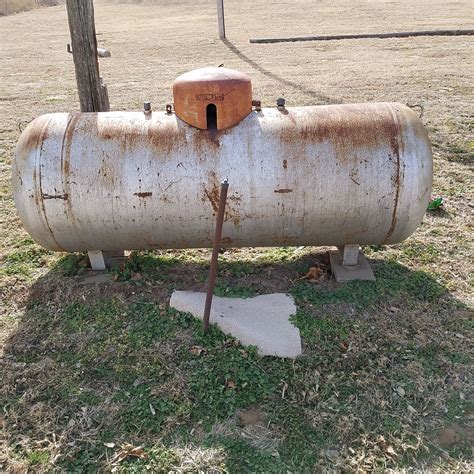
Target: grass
(9, 7)
(133, 370)
(24, 259)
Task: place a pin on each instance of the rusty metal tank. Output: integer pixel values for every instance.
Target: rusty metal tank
(322, 175)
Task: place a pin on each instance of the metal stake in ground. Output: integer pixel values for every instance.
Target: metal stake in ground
(215, 253)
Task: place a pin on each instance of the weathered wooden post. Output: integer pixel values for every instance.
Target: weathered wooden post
(93, 95)
(220, 18)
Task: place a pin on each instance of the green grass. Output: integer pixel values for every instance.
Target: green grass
(72, 264)
(235, 290)
(423, 253)
(435, 358)
(457, 408)
(316, 330)
(24, 261)
(223, 382)
(242, 457)
(157, 266)
(127, 370)
(38, 457)
(392, 279)
(159, 459)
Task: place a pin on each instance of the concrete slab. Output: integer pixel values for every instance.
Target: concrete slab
(262, 321)
(95, 278)
(342, 273)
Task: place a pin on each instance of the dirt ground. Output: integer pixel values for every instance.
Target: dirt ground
(8, 7)
(152, 42)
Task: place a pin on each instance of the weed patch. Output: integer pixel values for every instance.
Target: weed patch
(392, 279)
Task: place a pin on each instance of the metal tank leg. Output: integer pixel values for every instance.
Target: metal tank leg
(349, 263)
(101, 260)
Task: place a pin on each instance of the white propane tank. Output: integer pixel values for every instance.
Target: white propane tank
(323, 175)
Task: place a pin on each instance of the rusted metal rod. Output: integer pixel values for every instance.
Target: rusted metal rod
(215, 253)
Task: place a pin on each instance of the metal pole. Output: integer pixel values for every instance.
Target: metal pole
(220, 18)
(215, 253)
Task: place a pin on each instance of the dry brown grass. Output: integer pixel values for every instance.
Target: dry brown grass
(7, 7)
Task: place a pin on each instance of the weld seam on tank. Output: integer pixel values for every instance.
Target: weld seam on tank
(398, 137)
(73, 120)
(38, 184)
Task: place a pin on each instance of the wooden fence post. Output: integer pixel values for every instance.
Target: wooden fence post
(220, 18)
(93, 94)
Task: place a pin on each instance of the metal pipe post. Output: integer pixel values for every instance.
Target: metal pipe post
(220, 18)
(215, 252)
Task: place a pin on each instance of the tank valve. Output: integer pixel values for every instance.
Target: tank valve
(257, 104)
(281, 103)
(147, 108)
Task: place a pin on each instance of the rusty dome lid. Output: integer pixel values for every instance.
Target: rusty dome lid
(212, 97)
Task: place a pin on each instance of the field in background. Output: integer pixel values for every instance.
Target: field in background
(386, 376)
(7, 7)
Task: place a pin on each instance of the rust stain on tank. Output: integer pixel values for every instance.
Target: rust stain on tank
(291, 116)
(116, 128)
(213, 196)
(165, 137)
(283, 191)
(205, 141)
(36, 190)
(352, 127)
(285, 164)
(36, 140)
(280, 240)
(108, 172)
(143, 195)
(234, 218)
(37, 134)
(39, 200)
(226, 241)
(396, 177)
(235, 198)
(67, 143)
(64, 197)
(73, 120)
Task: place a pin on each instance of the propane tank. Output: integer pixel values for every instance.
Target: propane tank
(322, 175)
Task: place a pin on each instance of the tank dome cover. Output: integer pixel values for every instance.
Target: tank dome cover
(212, 97)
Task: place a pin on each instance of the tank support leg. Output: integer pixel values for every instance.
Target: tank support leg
(101, 260)
(350, 254)
(349, 263)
